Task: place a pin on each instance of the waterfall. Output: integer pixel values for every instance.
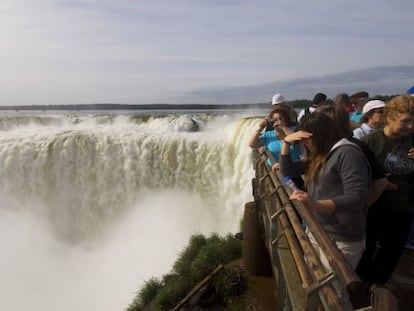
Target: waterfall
(112, 196)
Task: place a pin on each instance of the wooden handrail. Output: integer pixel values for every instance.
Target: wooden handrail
(315, 280)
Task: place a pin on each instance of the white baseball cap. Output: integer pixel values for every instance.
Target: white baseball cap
(372, 104)
(277, 99)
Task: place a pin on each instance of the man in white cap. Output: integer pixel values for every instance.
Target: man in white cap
(372, 118)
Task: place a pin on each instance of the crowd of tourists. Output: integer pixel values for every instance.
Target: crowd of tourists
(355, 156)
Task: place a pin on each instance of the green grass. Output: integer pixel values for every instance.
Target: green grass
(195, 262)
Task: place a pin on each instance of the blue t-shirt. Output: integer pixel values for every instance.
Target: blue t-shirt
(356, 116)
(274, 145)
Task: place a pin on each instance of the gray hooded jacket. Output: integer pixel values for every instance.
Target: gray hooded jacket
(345, 179)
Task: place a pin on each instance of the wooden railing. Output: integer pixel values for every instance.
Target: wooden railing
(302, 283)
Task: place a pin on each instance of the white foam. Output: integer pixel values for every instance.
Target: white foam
(89, 212)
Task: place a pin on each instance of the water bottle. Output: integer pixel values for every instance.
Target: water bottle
(289, 182)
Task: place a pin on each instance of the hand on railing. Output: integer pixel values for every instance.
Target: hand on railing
(275, 167)
(320, 206)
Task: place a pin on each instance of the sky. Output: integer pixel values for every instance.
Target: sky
(153, 51)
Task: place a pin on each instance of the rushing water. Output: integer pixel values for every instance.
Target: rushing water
(93, 204)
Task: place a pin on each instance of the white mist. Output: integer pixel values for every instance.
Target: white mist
(39, 272)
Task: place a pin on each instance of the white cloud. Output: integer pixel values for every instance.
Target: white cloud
(159, 47)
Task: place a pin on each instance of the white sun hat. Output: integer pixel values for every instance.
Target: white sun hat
(277, 99)
(372, 104)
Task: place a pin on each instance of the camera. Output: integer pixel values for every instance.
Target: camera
(270, 121)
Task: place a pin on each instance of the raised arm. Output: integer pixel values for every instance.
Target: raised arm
(288, 167)
(255, 141)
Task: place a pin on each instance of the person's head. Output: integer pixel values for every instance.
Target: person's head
(324, 132)
(319, 99)
(340, 118)
(277, 99)
(373, 113)
(324, 135)
(279, 115)
(360, 103)
(399, 115)
(342, 100)
(355, 97)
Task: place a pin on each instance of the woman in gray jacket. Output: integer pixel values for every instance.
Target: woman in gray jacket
(337, 179)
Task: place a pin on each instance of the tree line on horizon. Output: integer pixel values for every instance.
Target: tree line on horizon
(297, 104)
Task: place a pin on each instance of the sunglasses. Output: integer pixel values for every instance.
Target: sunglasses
(379, 110)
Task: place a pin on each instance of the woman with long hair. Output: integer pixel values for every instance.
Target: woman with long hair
(341, 120)
(337, 179)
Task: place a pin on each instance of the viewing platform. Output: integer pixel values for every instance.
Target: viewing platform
(275, 244)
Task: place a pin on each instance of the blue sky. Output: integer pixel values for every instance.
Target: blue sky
(145, 51)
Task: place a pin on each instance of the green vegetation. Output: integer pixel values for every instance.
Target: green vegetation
(197, 261)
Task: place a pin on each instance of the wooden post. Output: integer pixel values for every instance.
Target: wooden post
(255, 257)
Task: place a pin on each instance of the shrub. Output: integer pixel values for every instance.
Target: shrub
(195, 262)
(146, 294)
